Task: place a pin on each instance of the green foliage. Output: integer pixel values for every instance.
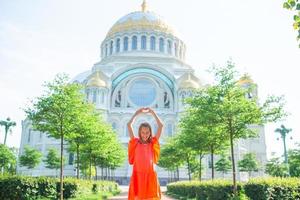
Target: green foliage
(211, 190)
(248, 163)
(294, 162)
(52, 159)
(7, 159)
(28, 188)
(273, 188)
(223, 164)
(30, 158)
(7, 127)
(294, 5)
(256, 189)
(275, 167)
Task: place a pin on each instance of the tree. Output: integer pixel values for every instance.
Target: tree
(294, 5)
(237, 112)
(202, 115)
(30, 158)
(294, 162)
(171, 157)
(283, 132)
(55, 111)
(7, 159)
(52, 159)
(223, 164)
(275, 167)
(248, 163)
(7, 126)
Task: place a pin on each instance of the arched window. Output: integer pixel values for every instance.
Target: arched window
(152, 43)
(102, 97)
(94, 96)
(143, 42)
(180, 52)
(176, 49)
(106, 50)
(169, 47)
(118, 45)
(161, 45)
(111, 47)
(114, 125)
(134, 43)
(29, 136)
(125, 43)
(87, 95)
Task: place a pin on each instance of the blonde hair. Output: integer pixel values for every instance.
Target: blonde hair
(146, 125)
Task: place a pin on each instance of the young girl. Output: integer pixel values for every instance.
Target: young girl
(143, 153)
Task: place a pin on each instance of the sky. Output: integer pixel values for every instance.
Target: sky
(39, 39)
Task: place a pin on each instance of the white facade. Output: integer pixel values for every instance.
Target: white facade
(142, 64)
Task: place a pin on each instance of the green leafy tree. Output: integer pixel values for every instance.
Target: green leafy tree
(55, 111)
(202, 115)
(8, 124)
(294, 5)
(275, 167)
(171, 157)
(30, 158)
(7, 159)
(52, 159)
(223, 164)
(237, 112)
(294, 162)
(248, 163)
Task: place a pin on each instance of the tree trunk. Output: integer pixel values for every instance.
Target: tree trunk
(96, 172)
(77, 161)
(5, 137)
(61, 165)
(233, 164)
(189, 170)
(177, 169)
(90, 167)
(212, 163)
(200, 167)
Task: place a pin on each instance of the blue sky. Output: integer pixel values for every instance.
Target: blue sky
(39, 39)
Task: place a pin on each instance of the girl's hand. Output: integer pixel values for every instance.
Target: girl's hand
(140, 110)
(150, 111)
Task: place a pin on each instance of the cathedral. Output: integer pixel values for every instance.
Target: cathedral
(142, 64)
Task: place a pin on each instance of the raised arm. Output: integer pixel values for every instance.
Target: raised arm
(159, 123)
(129, 124)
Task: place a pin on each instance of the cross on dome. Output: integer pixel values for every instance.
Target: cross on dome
(144, 6)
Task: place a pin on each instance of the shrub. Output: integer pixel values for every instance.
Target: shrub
(211, 190)
(30, 188)
(273, 188)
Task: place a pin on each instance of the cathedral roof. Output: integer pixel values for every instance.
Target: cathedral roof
(96, 80)
(189, 83)
(141, 20)
(245, 79)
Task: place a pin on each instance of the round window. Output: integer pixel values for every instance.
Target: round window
(142, 92)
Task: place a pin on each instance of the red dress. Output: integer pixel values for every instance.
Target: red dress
(143, 182)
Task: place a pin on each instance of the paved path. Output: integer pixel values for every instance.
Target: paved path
(124, 193)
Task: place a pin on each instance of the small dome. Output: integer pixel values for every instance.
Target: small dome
(140, 20)
(96, 80)
(245, 79)
(189, 83)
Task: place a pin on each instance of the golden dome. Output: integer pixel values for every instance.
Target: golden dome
(245, 79)
(96, 80)
(140, 20)
(189, 83)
